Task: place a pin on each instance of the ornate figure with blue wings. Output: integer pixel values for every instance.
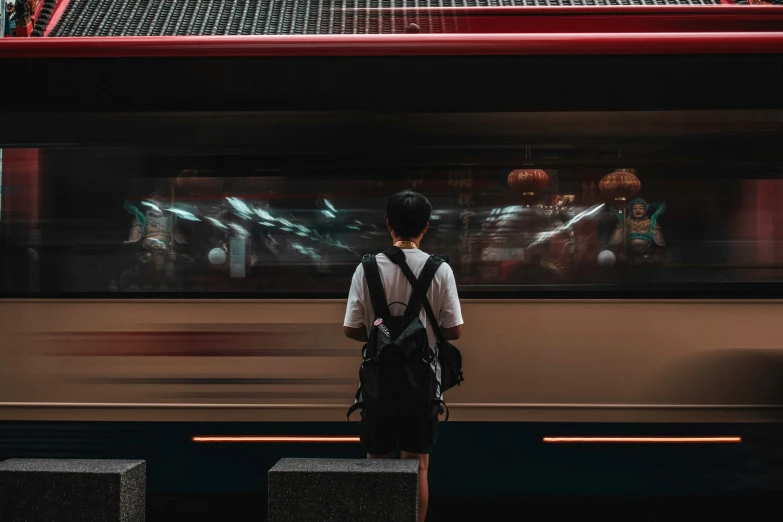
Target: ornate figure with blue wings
(641, 230)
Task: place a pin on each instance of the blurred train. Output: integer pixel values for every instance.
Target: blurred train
(174, 269)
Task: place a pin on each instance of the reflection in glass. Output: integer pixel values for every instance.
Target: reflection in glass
(79, 221)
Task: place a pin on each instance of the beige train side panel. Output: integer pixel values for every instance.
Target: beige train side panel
(288, 360)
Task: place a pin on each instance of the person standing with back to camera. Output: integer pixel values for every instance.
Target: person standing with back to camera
(398, 409)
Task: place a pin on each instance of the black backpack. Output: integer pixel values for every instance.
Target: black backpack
(398, 372)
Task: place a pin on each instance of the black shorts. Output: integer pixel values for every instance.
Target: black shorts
(382, 435)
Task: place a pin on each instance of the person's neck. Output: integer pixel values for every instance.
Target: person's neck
(406, 243)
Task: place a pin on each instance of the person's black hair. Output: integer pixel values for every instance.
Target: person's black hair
(408, 213)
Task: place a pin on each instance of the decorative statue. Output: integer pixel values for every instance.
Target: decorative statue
(21, 11)
(641, 231)
(6, 12)
(561, 241)
(158, 233)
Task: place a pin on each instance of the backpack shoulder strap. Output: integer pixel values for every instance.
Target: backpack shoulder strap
(398, 257)
(377, 296)
(423, 284)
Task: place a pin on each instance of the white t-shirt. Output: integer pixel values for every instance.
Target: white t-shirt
(442, 293)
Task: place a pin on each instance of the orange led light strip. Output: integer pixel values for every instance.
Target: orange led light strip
(643, 439)
(276, 439)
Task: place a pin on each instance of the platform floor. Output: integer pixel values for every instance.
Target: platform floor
(750, 506)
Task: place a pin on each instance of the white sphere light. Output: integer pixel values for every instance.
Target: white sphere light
(606, 258)
(217, 256)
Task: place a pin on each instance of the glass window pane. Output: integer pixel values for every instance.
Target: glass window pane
(545, 215)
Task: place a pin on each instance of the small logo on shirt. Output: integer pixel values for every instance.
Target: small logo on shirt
(377, 322)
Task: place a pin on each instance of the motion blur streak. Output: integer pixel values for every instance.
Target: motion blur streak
(544, 364)
(644, 439)
(275, 439)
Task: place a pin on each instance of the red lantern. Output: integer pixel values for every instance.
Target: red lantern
(528, 180)
(620, 184)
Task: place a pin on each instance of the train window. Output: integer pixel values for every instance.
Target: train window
(586, 218)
